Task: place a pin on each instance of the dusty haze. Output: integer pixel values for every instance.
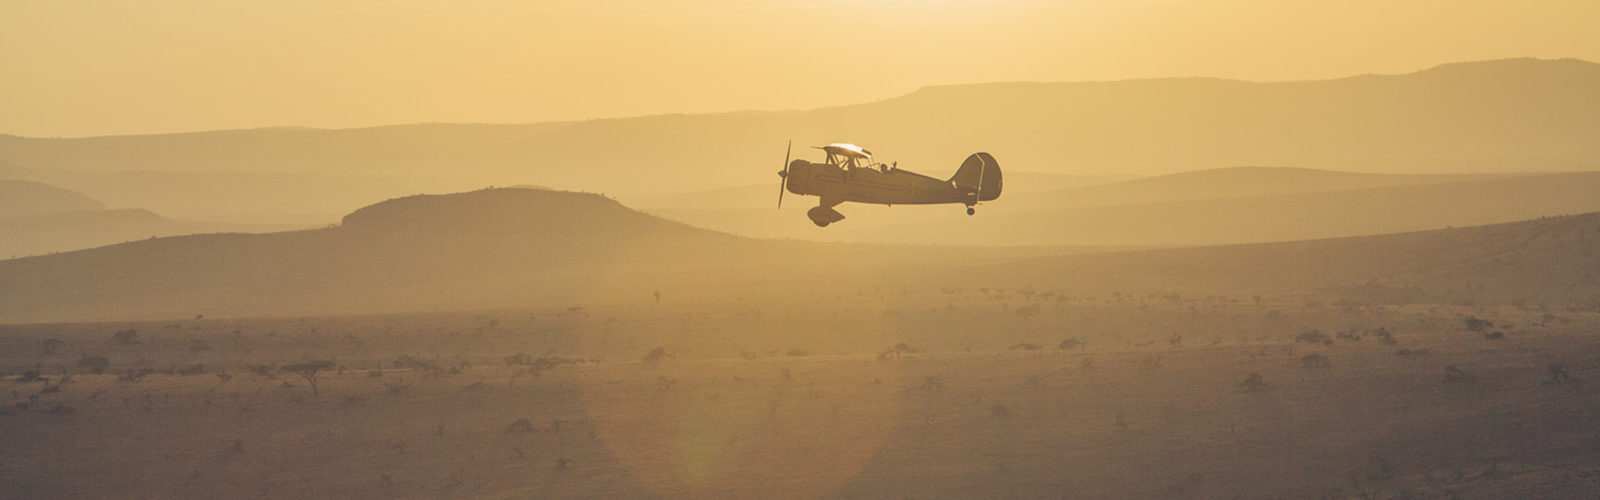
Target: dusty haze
(512, 249)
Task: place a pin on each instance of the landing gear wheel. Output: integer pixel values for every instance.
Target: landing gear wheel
(822, 216)
(971, 210)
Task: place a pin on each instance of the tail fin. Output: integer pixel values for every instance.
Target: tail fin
(980, 174)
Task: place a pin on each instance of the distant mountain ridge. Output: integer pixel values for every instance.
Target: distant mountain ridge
(1222, 183)
(1516, 115)
(25, 198)
(228, 195)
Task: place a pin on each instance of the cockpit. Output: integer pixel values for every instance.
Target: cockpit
(852, 157)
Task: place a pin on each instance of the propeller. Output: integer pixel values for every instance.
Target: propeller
(783, 175)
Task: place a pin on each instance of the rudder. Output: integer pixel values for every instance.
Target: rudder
(980, 173)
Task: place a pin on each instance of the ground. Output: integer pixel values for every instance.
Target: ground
(993, 394)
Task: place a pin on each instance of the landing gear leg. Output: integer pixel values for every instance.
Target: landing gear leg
(971, 210)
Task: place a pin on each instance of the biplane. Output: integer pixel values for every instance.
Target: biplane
(848, 173)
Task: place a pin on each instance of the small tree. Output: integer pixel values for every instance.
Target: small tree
(309, 370)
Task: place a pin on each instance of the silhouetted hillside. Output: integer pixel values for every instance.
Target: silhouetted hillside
(1280, 217)
(1518, 115)
(1239, 205)
(515, 247)
(496, 231)
(19, 198)
(1220, 183)
(403, 254)
(66, 231)
(508, 211)
(1548, 261)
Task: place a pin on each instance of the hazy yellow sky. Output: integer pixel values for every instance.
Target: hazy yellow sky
(78, 67)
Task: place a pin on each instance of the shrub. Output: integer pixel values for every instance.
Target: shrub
(406, 361)
(657, 355)
(32, 376)
(1453, 375)
(125, 337)
(1475, 324)
(522, 425)
(133, 375)
(1314, 361)
(93, 364)
(1253, 383)
(1558, 375)
(1027, 311)
(397, 388)
(895, 351)
(1314, 337)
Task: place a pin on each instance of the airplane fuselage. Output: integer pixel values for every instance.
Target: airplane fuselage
(836, 184)
(978, 179)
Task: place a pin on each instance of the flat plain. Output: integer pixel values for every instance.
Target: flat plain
(877, 393)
